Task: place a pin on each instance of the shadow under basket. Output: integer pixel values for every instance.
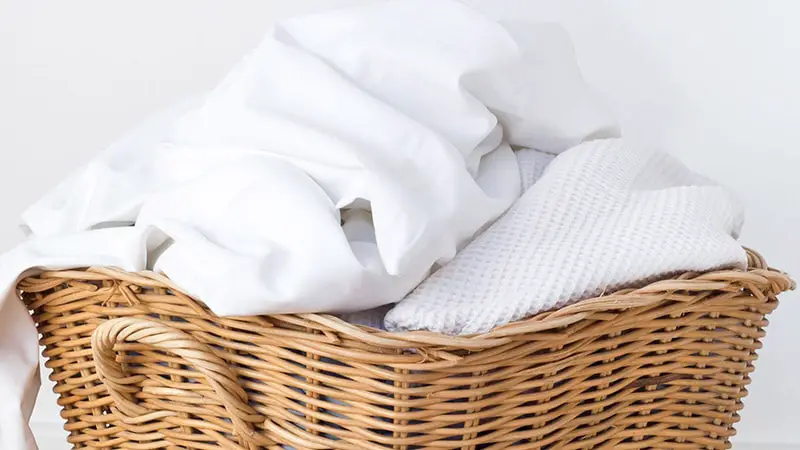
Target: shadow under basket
(139, 365)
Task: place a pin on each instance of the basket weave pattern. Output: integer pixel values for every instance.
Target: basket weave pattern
(139, 365)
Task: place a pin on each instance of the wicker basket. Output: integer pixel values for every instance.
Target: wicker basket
(139, 365)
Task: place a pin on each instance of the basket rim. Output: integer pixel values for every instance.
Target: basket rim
(758, 277)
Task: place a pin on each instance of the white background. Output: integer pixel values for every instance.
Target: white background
(716, 82)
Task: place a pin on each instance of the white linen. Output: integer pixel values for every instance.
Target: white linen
(604, 216)
(532, 164)
(399, 127)
(344, 110)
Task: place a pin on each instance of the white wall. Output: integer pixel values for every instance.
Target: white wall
(713, 81)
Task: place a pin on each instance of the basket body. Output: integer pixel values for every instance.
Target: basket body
(139, 365)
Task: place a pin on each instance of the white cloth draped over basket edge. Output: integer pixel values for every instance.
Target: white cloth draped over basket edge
(334, 111)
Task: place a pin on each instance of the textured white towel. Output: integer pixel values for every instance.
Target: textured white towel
(603, 216)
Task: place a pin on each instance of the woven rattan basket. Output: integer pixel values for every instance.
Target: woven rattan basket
(139, 365)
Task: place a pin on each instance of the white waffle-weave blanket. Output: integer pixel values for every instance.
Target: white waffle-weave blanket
(603, 216)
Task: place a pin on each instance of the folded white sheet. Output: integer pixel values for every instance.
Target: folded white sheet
(329, 171)
(604, 216)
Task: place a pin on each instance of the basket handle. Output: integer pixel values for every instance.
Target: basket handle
(218, 375)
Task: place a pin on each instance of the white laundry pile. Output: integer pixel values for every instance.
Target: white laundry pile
(532, 164)
(329, 171)
(604, 216)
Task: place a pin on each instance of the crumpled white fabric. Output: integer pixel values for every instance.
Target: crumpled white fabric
(329, 171)
(604, 216)
(532, 164)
